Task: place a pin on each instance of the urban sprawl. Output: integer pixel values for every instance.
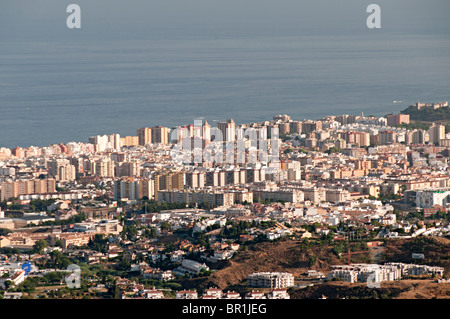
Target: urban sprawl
(135, 213)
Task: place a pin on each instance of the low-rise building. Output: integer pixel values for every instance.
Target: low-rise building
(213, 293)
(255, 295)
(278, 294)
(190, 267)
(186, 294)
(270, 280)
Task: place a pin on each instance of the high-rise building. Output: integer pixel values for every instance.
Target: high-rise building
(104, 168)
(396, 119)
(78, 163)
(127, 169)
(168, 181)
(387, 137)
(5, 153)
(180, 134)
(436, 133)
(144, 135)
(311, 126)
(420, 137)
(106, 142)
(215, 178)
(133, 189)
(37, 186)
(195, 179)
(360, 138)
(18, 152)
(295, 127)
(206, 131)
(66, 173)
(62, 170)
(285, 128)
(160, 135)
(129, 141)
(345, 119)
(118, 157)
(228, 129)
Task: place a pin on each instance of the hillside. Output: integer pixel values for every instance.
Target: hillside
(428, 114)
(435, 250)
(292, 256)
(297, 257)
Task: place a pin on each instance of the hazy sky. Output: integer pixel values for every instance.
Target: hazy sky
(45, 19)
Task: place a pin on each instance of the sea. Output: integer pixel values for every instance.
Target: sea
(68, 86)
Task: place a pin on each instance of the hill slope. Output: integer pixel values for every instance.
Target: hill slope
(292, 256)
(428, 114)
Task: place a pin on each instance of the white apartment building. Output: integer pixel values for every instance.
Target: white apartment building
(191, 267)
(270, 280)
(378, 273)
(427, 198)
(278, 294)
(16, 276)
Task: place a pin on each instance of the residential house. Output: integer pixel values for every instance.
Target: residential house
(186, 294)
(278, 294)
(213, 293)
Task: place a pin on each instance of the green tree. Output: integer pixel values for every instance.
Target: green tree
(39, 246)
(124, 264)
(59, 243)
(116, 291)
(5, 232)
(165, 225)
(55, 276)
(8, 284)
(312, 260)
(129, 232)
(99, 243)
(202, 239)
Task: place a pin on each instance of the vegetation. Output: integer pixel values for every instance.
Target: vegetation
(39, 205)
(288, 254)
(337, 291)
(99, 243)
(333, 150)
(39, 246)
(234, 230)
(4, 232)
(80, 217)
(151, 206)
(428, 114)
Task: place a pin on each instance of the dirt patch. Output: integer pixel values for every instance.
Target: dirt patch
(421, 289)
(436, 251)
(293, 256)
(297, 257)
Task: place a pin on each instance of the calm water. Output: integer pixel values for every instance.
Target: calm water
(56, 90)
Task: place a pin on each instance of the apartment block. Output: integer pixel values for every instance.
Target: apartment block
(270, 280)
(396, 119)
(292, 196)
(27, 187)
(133, 189)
